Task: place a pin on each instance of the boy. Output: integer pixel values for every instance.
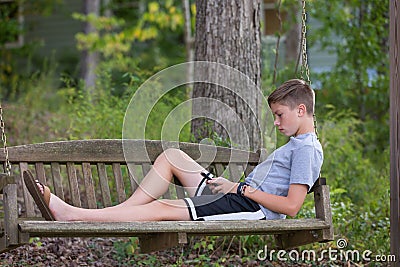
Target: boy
(276, 187)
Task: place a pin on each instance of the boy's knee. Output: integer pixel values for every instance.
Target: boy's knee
(173, 154)
(169, 154)
(172, 151)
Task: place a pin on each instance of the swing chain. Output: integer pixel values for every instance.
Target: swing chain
(7, 165)
(304, 70)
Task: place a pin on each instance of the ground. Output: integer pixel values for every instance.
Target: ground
(104, 252)
(124, 252)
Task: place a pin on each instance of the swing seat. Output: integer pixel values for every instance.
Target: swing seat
(94, 174)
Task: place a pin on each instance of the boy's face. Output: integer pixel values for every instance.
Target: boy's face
(286, 120)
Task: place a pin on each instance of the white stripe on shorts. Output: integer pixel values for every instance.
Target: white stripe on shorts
(192, 209)
(201, 188)
(246, 215)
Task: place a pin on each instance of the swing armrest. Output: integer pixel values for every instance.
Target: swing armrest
(6, 180)
(320, 181)
(10, 237)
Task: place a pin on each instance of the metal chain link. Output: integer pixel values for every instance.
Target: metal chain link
(7, 163)
(305, 70)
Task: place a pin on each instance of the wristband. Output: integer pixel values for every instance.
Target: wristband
(244, 189)
(241, 188)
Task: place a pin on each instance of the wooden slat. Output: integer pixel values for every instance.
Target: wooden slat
(161, 241)
(59, 228)
(180, 191)
(10, 214)
(40, 173)
(57, 180)
(133, 177)
(146, 168)
(10, 237)
(219, 169)
(73, 184)
(5, 180)
(167, 194)
(119, 182)
(112, 151)
(296, 239)
(89, 185)
(323, 209)
(104, 187)
(234, 172)
(248, 169)
(28, 200)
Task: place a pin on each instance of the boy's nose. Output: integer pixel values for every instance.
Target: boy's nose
(276, 122)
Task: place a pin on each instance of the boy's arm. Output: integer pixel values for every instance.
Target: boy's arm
(289, 205)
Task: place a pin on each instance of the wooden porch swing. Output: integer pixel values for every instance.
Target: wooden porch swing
(94, 174)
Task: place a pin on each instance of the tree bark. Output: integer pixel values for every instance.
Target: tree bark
(189, 40)
(90, 59)
(228, 32)
(394, 31)
(293, 36)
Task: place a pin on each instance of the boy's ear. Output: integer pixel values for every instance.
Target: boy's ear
(302, 110)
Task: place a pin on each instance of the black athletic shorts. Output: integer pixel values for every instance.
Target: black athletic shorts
(206, 206)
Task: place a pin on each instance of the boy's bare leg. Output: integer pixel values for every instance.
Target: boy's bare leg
(153, 211)
(142, 205)
(172, 162)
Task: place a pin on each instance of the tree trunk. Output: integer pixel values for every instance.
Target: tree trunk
(228, 32)
(188, 34)
(189, 40)
(394, 31)
(293, 36)
(89, 59)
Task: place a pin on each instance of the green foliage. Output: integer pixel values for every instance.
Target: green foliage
(94, 115)
(125, 248)
(30, 117)
(161, 110)
(114, 35)
(117, 37)
(365, 228)
(357, 32)
(345, 162)
(15, 61)
(9, 24)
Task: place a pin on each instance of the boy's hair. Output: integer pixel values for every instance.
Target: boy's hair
(293, 93)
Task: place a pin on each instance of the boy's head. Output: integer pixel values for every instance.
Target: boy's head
(292, 93)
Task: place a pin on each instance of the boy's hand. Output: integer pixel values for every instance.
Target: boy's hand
(222, 185)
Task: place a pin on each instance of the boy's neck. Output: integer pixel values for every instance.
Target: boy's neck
(307, 127)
